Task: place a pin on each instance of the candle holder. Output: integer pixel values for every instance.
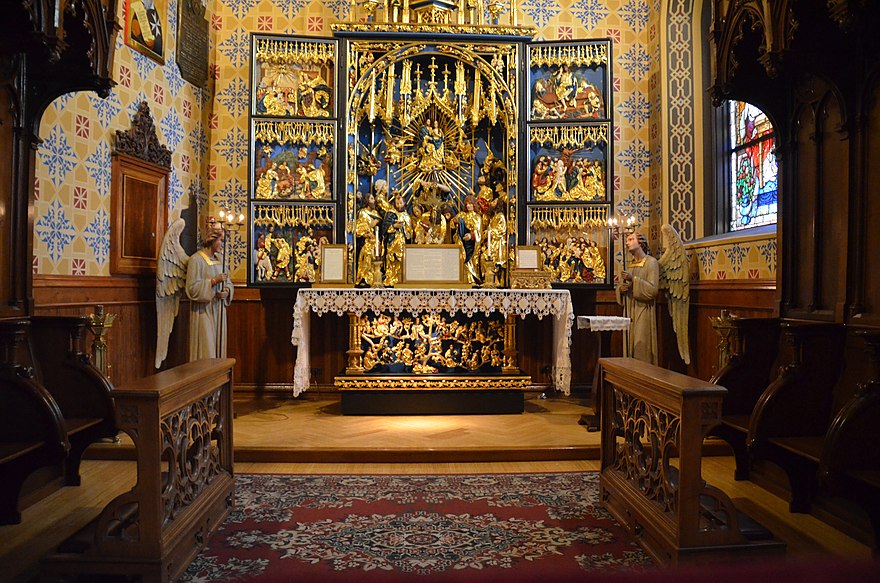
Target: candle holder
(378, 281)
(99, 325)
(620, 228)
(229, 223)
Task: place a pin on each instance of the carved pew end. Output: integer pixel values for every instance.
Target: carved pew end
(154, 531)
(650, 477)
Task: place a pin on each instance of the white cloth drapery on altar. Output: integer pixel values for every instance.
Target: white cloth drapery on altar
(603, 323)
(556, 303)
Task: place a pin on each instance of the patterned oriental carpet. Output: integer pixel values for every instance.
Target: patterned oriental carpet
(372, 528)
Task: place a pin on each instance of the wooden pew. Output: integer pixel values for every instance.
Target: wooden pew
(849, 463)
(56, 404)
(789, 422)
(753, 365)
(181, 423)
(32, 428)
(653, 425)
(82, 392)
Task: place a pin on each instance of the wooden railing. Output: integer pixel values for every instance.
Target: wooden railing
(653, 425)
(181, 423)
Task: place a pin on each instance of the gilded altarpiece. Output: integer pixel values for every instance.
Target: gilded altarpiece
(570, 133)
(431, 132)
(452, 129)
(292, 194)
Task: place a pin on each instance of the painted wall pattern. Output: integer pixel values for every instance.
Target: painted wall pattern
(747, 257)
(207, 129)
(72, 207)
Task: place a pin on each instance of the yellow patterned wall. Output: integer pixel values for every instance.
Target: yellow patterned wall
(208, 133)
(750, 257)
(72, 206)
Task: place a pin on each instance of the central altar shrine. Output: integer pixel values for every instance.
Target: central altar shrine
(435, 340)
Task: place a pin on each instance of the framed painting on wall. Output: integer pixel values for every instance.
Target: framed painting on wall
(144, 27)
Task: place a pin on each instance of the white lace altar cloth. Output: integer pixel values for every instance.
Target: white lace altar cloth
(522, 303)
(602, 323)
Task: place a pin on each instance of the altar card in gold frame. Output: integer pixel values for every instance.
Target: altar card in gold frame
(333, 264)
(574, 242)
(432, 266)
(293, 77)
(528, 257)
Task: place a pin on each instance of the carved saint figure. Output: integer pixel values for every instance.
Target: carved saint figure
(209, 292)
(470, 235)
(494, 256)
(367, 231)
(432, 149)
(397, 231)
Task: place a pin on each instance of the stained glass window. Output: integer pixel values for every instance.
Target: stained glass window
(754, 193)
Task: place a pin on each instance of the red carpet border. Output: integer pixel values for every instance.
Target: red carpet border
(472, 527)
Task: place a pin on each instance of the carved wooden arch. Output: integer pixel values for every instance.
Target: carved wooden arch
(825, 91)
(774, 20)
(47, 48)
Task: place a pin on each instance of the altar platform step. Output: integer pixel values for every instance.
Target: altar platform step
(314, 430)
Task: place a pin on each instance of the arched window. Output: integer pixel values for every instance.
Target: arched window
(752, 187)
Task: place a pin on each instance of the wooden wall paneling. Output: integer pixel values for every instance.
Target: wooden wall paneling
(260, 323)
(16, 184)
(7, 137)
(132, 339)
(800, 209)
(746, 299)
(866, 214)
(328, 347)
(831, 239)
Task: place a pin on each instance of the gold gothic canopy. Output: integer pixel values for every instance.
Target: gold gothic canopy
(461, 17)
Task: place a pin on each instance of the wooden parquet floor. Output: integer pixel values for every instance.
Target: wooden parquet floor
(315, 430)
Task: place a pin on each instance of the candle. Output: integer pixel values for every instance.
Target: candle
(377, 241)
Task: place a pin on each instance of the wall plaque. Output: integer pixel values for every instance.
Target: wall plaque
(192, 42)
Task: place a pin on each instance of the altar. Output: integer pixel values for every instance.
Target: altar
(445, 341)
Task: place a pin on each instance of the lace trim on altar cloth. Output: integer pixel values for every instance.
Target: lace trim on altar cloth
(522, 303)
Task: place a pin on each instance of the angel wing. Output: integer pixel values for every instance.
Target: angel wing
(675, 280)
(170, 280)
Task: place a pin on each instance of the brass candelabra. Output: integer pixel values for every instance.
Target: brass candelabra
(229, 223)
